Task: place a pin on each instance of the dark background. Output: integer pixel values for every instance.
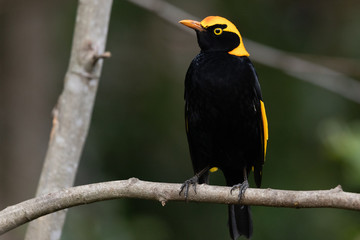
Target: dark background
(138, 130)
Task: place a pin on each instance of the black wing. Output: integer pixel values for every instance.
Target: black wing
(262, 121)
(195, 136)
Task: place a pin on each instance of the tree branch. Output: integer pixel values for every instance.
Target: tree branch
(26, 211)
(73, 111)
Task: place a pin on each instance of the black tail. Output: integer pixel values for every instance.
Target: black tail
(240, 221)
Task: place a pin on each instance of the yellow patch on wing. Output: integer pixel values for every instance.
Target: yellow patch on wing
(265, 125)
(213, 169)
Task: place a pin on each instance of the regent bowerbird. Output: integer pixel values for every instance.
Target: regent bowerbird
(225, 117)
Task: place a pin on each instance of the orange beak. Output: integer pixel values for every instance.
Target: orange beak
(192, 24)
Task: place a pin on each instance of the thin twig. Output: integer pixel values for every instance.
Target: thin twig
(97, 57)
(26, 211)
(316, 74)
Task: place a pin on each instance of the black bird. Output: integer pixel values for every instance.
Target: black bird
(225, 117)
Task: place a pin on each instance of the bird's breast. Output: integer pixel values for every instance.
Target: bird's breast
(221, 77)
(219, 88)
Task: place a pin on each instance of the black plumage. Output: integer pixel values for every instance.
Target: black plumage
(225, 118)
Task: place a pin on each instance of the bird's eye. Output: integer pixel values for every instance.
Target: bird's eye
(218, 31)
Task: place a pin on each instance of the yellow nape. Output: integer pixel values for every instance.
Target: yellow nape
(265, 126)
(240, 50)
(213, 169)
(230, 27)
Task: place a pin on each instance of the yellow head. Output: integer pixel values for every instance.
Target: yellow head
(217, 33)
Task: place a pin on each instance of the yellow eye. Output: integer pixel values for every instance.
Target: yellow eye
(218, 31)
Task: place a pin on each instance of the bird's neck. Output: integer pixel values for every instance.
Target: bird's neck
(240, 50)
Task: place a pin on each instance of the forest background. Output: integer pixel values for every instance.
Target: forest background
(137, 128)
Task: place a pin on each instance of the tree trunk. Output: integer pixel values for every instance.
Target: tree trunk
(73, 111)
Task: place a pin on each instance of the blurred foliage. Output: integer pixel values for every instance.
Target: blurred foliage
(342, 142)
(138, 128)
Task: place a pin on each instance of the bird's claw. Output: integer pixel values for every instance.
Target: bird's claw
(185, 186)
(242, 188)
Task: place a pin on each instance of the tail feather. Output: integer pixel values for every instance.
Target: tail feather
(240, 221)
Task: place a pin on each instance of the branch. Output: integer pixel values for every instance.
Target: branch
(16, 215)
(73, 111)
(313, 73)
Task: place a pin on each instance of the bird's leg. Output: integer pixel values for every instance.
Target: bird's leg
(241, 186)
(192, 181)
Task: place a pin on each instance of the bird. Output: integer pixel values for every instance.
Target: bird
(225, 117)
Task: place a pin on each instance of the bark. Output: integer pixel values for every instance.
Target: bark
(29, 210)
(73, 111)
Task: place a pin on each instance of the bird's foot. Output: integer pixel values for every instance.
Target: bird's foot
(185, 186)
(242, 188)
